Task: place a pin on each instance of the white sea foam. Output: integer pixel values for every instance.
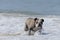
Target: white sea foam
(12, 28)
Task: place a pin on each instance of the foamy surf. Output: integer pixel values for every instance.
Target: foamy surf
(13, 27)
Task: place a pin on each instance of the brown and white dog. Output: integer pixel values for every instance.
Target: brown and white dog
(30, 25)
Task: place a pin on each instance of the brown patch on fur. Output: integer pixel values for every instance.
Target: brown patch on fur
(30, 24)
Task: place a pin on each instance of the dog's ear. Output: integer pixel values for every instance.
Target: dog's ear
(35, 19)
(42, 20)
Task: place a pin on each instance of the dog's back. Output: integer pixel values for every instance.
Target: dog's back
(30, 22)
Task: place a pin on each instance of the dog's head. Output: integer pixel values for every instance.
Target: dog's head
(40, 23)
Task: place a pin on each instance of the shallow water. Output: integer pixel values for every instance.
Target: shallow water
(12, 28)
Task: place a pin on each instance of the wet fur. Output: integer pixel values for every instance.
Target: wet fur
(40, 25)
(30, 25)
